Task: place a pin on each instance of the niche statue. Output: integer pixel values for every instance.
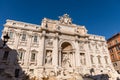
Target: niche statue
(48, 60)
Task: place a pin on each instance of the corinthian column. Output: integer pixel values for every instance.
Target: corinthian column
(17, 39)
(55, 51)
(28, 49)
(42, 48)
(77, 54)
(59, 58)
(73, 55)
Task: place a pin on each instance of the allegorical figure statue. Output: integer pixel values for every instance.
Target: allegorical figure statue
(49, 58)
(66, 61)
(65, 19)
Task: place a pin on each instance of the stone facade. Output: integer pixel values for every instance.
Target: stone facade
(57, 46)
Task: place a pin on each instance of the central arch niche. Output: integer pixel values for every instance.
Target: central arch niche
(67, 56)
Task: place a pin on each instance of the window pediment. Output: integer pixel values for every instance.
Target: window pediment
(21, 49)
(34, 51)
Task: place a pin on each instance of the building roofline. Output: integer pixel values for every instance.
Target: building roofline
(113, 36)
(16, 21)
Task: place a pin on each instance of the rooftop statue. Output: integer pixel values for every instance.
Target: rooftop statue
(65, 19)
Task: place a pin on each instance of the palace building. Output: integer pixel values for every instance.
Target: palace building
(114, 49)
(54, 47)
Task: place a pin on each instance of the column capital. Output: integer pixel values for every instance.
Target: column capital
(60, 48)
(43, 34)
(56, 36)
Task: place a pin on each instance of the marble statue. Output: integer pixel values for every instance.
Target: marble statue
(49, 57)
(66, 61)
(60, 45)
(65, 19)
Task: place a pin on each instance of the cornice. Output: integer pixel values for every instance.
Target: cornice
(20, 22)
(21, 28)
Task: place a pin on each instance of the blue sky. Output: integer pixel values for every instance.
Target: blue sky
(101, 17)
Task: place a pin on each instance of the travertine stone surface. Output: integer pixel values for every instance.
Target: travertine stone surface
(62, 48)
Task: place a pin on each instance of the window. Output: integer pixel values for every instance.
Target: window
(33, 56)
(35, 38)
(82, 58)
(23, 37)
(49, 41)
(17, 73)
(106, 59)
(31, 71)
(117, 48)
(20, 55)
(99, 61)
(116, 41)
(92, 59)
(10, 34)
(5, 56)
